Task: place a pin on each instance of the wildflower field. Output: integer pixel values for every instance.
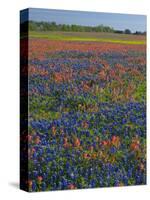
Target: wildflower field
(87, 111)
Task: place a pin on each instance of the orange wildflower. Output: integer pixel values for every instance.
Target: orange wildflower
(71, 186)
(120, 184)
(86, 156)
(135, 144)
(58, 77)
(29, 138)
(37, 140)
(85, 124)
(30, 183)
(77, 142)
(116, 141)
(86, 87)
(105, 142)
(39, 179)
(142, 167)
(94, 155)
(54, 130)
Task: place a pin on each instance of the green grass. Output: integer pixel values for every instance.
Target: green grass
(101, 37)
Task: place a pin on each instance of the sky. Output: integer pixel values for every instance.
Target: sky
(117, 21)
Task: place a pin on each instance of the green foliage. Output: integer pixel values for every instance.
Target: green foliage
(52, 26)
(140, 92)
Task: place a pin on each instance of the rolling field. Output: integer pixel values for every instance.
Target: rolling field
(87, 110)
(86, 36)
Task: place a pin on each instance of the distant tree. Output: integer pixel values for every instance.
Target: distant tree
(32, 26)
(119, 31)
(139, 33)
(127, 31)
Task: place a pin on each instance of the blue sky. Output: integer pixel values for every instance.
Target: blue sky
(117, 21)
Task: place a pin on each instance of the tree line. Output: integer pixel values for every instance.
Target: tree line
(52, 26)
